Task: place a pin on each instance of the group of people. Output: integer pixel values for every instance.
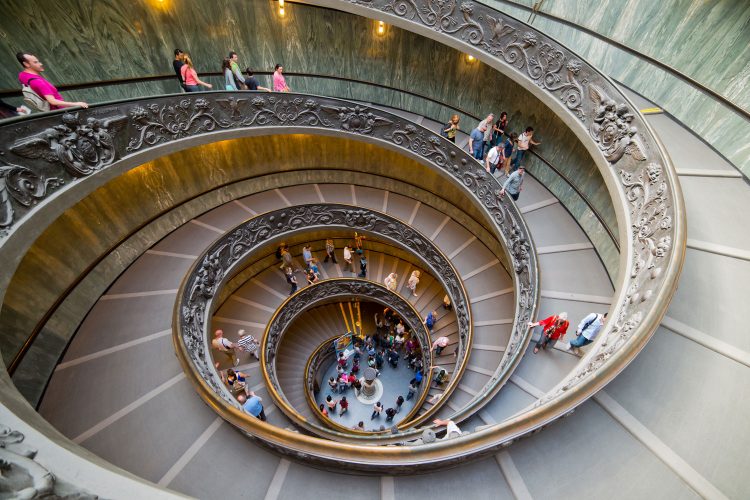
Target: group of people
(290, 266)
(492, 143)
(556, 326)
(189, 81)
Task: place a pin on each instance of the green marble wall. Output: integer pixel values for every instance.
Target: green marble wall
(108, 39)
(707, 40)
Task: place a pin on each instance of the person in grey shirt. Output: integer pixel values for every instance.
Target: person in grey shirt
(587, 330)
(513, 184)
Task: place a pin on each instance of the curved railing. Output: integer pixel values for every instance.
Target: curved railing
(638, 174)
(227, 255)
(336, 289)
(637, 171)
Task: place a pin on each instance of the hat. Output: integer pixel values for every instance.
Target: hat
(428, 436)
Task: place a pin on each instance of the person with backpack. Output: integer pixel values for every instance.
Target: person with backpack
(553, 329)
(451, 128)
(587, 331)
(37, 91)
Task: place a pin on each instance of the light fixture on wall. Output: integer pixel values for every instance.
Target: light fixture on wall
(470, 59)
(282, 11)
(381, 28)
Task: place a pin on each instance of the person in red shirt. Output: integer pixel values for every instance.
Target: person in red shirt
(32, 76)
(553, 329)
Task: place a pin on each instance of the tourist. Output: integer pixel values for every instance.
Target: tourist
(412, 390)
(440, 344)
(323, 409)
(553, 329)
(333, 385)
(248, 343)
(494, 159)
(344, 404)
(359, 427)
(447, 303)
(391, 282)
(252, 83)
(362, 265)
(331, 404)
(225, 346)
(587, 331)
(355, 366)
(190, 76)
(498, 130)
(330, 252)
(226, 69)
(393, 358)
(379, 359)
(417, 380)
(476, 146)
(389, 414)
(486, 124)
(398, 341)
(359, 241)
(441, 377)
(451, 128)
(379, 323)
(311, 277)
(291, 279)
(307, 255)
(37, 91)
(288, 261)
(371, 361)
(177, 64)
(377, 408)
(514, 184)
(508, 146)
(348, 265)
(279, 82)
(430, 320)
(252, 405)
(343, 382)
(524, 141)
(342, 360)
(399, 402)
(357, 386)
(239, 80)
(413, 282)
(237, 381)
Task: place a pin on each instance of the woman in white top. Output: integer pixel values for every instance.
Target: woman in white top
(413, 282)
(391, 282)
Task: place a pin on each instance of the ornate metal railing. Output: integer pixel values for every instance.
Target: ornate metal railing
(342, 289)
(227, 255)
(63, 153)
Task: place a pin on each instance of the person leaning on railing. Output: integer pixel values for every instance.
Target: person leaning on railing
(554, 328)
(31, 78)
(190, 76)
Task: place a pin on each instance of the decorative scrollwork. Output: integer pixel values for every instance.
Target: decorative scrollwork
(81, 146)
(611, 128)
(21, 185)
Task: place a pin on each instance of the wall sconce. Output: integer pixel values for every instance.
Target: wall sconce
(470, 59)
(381, 28)
(282, 11)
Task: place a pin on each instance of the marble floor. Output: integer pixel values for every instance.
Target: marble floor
(395, 382)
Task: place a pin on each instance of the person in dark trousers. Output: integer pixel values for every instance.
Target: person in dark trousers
(389, 414)
(362, 267)
(376, 410)
(179, 61)
(291, 279)
(399, 402)
(344, 404)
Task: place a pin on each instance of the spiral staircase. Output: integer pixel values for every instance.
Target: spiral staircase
(119, 391)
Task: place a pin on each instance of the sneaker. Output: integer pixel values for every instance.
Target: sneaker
(236, 361)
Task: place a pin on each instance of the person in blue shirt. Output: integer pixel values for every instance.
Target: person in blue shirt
(476, 142)
(587, 331)
(252, 405)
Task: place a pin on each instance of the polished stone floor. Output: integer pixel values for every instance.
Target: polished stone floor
(395, 382)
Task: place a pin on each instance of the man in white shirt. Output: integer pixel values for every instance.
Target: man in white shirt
(226, 346)
(348, 266)
(486, 127)
(494, 157)
(587, 331)
(451, 430)
(524, 140)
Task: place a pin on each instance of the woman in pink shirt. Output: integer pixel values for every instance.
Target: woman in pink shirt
(190, 76)
(279, 83)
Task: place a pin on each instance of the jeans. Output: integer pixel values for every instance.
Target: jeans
(519, 156)
(478, 151)
(543, 341)
(580, 341)
(331, 256)
(493, 167)
(192, 88)
(375, 414)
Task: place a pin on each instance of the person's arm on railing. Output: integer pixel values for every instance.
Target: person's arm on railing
(64, 104)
